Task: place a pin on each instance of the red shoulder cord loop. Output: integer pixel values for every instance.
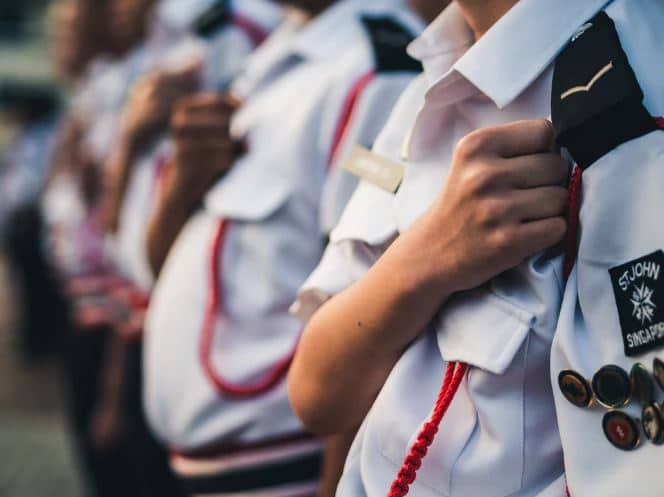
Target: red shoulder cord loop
(573, 207)
(454, 375)
(254, 31)
(214, 307)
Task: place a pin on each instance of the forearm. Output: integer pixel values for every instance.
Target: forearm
(353, 342)
(336, 451)
(168, 219)
(117, 181)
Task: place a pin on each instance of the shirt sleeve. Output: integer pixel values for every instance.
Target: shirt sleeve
(343, 264)
(365, 109)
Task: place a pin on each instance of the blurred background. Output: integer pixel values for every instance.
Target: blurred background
(36, 457)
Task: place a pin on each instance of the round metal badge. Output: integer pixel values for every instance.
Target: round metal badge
(612, 387)
(575, 388)
(643, 388)
(658, 372)
(621, 430)
(653, 423)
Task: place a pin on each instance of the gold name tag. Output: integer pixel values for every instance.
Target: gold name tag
(375, 169)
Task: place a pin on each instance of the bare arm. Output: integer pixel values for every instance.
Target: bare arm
(336, 451)
(500, 204)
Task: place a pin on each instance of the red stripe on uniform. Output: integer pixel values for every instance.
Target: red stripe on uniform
(214, 307)
(347, 113)
(254, 31)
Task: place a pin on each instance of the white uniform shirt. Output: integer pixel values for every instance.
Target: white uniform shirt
(266, 215)
(619, 223)
(499, 437)
(225, 53)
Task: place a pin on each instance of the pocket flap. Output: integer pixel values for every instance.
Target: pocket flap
(481, 329)
(250, 191)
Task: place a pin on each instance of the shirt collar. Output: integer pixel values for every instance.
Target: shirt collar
(511, 55)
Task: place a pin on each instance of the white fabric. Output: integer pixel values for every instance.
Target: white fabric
(499, 437)
(294, 90)
(223, 56)
(620, 222)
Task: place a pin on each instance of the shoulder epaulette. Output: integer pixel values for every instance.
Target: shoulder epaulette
(389, 40)
(596, 99)
(215, 17)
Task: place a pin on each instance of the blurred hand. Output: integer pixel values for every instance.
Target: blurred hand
(204, 148)
(149, 107)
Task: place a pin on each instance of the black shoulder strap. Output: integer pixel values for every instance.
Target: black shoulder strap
(389, 40)
(214, 18)
(596, 100)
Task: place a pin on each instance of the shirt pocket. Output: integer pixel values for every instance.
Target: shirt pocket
(491, 334)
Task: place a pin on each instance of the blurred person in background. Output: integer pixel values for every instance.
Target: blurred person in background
(93, 43)
(31, 109)
(245, 200)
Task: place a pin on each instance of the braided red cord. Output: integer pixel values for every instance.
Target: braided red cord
(214, 306)
(454, 375)
(573, 207)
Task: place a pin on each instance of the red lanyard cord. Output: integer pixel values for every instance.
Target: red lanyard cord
(214, 307)
(454, 375)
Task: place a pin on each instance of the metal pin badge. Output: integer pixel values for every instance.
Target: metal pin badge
(653, 423)
(658, 372)
(575, 388)
(612, 387)
(642, 386)
(621, 430)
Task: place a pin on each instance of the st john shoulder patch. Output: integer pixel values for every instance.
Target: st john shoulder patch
(638, 287)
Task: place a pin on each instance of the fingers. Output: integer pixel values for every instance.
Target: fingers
(532, 171)
(536, 236)
(539, 203)
(518, 138)
(214, 102)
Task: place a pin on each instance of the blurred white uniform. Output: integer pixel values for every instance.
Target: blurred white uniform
(223, 54)
(219, 337)
(499, 436)
(611, 312)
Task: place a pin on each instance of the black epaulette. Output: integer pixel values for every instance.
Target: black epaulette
(215, 17)
(596, 100)
(389, 40)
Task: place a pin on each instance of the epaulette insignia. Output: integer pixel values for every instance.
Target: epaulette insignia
(596, 100)
(214, 18)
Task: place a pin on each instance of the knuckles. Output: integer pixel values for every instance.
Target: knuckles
(473, 144)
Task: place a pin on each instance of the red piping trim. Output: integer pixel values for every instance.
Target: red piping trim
(347, 113)
(254, 31)
(214, 307)
(454, 375)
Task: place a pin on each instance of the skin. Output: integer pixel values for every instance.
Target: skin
(500, 204)
(204, 150)
(145, 117)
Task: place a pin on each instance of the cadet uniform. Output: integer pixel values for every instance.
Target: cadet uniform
(219, 338)
(228, 37)
(606, 359)
(497, 424)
